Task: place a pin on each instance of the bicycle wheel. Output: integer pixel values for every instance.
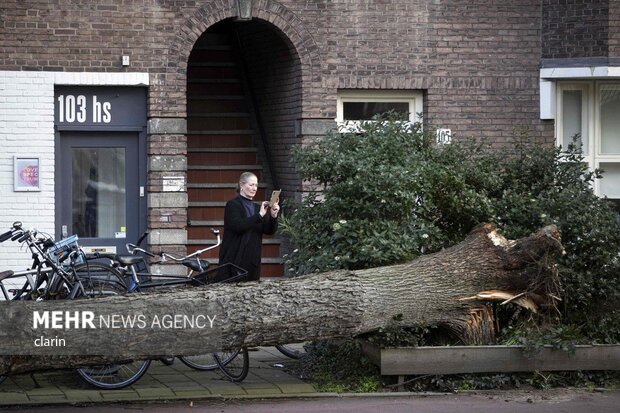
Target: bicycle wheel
(204, 362)
(114, 376)
(100, 280)
(238, 365)
(291, 352)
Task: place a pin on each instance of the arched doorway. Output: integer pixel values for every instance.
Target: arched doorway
(243, 98)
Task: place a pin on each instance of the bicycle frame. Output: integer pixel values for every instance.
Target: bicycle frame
(164, 257)
(43, 265)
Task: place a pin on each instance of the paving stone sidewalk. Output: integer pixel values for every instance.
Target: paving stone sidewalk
(267, 378)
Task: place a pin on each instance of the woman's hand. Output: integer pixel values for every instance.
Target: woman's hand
(275, 208)
(263, 208)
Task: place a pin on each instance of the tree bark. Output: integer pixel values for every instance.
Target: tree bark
(443, 288)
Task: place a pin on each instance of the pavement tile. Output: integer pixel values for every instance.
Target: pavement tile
(192, 394)
(113, 395)
(203, 376)
(257, 384)
(83, 395)
(226, 388)
(46, 391)
(154, 393)
(292, 388)
(22, 381)
(263, 391)
(13, 397)
(47, 398)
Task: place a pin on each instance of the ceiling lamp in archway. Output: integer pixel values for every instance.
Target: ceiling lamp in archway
(244, 10)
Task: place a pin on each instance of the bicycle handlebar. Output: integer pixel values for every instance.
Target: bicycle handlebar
(6, 236)
(24, 237)
(17, 235)
(46, 243)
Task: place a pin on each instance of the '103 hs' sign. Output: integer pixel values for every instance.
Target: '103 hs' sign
(73, 108)
(99, 106)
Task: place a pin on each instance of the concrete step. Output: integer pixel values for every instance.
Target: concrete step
(214, 97)
(224, 150)
(219, 185)
(221, 132)
(226, 167)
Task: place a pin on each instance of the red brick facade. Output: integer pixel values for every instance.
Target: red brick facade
(466, 56)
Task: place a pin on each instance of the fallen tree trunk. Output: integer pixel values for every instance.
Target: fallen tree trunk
(448, 287)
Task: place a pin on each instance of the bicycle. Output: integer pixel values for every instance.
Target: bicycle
(59, 271)
(233, 364)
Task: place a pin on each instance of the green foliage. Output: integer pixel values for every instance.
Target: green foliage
(385, 196)
(368, 195)
(544, 186)
(390, 194)
(532, 337)
(537, 380)
(340, 366)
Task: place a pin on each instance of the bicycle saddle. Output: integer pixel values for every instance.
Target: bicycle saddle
(129, 259)
(196, 265)
(6, 274)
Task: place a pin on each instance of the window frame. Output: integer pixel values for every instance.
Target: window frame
(586, 119)
(413, 97)
(592, 90)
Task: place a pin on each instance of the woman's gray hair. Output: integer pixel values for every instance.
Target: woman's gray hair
(244, 179)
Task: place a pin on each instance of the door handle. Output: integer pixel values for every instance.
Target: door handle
(63, 231)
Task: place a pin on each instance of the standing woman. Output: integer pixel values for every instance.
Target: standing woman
(244, 225)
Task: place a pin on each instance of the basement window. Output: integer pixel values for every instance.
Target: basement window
(356, 106)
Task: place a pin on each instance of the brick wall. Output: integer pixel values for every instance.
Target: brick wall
(453, 49)
(483, 72)
(575, 28)
(614, 29)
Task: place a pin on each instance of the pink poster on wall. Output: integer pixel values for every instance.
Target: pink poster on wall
(26, 172)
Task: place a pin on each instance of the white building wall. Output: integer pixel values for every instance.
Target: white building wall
(27, 129)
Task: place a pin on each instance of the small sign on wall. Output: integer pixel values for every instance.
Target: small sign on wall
(26, 174)
(173, 183)
(444, 136)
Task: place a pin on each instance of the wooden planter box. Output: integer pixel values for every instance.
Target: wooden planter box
(483, 359)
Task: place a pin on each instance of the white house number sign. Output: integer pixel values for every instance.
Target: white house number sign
(444, 136)
(73, 108)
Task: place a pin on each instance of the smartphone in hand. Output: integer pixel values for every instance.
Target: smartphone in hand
(275, 197)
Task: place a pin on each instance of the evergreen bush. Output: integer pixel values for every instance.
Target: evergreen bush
(390, 194)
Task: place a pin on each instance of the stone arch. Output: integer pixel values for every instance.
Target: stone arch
(270, 11)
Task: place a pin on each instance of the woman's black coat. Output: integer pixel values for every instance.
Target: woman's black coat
(243, 236)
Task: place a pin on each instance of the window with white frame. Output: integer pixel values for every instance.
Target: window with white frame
(589, 113)
(354, 106)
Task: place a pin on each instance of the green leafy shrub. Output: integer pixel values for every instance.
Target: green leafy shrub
(534, 380)
(390, 194)
(340, 366)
